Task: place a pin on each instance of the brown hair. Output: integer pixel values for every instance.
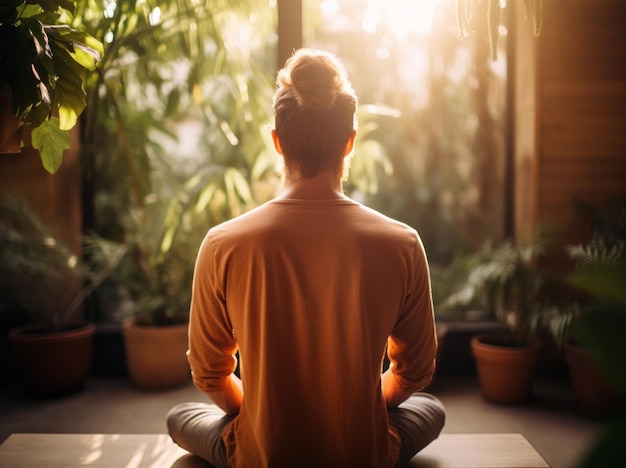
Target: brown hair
(314, 110)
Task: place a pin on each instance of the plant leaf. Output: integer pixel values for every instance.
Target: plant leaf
(37, 114)
(38, 36)
(605, 281)
(53, 5)
(71, 102)
(67, 117)
(50, 140)
(90, 47)
(237, 184)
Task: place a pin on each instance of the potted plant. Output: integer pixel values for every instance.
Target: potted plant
(505, 282)
(43, 64)
(598, 269)
(600, 328)
(157, 281)
(163, 238)
(42, 278)
(171, 69)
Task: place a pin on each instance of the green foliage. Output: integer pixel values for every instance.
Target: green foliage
(600, 324)
(49, 139)
(158, 76)
(598, 264)
(506, 283)
(370, 160)
(38, 272)
(558, 321)
(199, 67)
(45, 62)
(447, 280)
(600, 328)
(157, 282)
(175, 136)
(607, 237)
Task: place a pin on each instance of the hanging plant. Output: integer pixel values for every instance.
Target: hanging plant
(45, 61)
(533, 10)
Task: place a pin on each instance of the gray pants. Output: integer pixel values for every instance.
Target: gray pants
(197, 427)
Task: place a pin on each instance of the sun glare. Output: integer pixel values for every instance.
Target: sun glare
(404, 17)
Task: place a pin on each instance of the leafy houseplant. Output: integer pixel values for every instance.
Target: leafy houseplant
(505, 281)
(600, 327)
(174, 134)
(195, 70)
(38, 272)
(158, 283)
(41, 277)
(606, 245)
(585, 329)
(44, 62)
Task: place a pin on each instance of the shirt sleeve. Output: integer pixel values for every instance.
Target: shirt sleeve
(412, 346)
(212, 345)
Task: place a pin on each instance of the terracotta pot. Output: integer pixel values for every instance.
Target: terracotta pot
(52, 363)
(156, 356)
(505, 372)
(593, 396)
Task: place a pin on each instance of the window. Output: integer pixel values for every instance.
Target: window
(434, 103)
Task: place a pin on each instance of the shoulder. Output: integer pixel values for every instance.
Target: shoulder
(236, 230)
(383, 218)
(391, 226)
(243, 221)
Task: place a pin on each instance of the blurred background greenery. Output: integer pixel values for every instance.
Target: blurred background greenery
(175, 135)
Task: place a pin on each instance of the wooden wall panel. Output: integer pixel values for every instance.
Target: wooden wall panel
(591, 136)
(582, 120)
(54, 198)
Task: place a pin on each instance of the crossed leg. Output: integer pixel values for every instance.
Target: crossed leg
(197, 427)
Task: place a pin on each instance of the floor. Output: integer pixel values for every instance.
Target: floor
(111, 405)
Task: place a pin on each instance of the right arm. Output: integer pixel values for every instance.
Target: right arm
(230, 397)
(412, 346)
(393, 393)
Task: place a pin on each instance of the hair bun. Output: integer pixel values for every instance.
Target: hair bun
(316, 78)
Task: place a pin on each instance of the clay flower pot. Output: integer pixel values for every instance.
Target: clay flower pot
(505, 372)
(592, 393)
(52, 363)
(156, 355)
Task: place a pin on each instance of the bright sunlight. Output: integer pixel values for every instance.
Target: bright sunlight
(404, 17)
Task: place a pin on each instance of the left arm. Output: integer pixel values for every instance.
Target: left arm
(212, 345)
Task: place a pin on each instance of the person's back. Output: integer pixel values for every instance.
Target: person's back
(315, 288)
(312, 289)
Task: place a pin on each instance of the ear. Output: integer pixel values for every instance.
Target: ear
(276, 141)
(350, 143)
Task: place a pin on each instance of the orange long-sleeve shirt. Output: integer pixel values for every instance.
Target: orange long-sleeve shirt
(311, 293)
